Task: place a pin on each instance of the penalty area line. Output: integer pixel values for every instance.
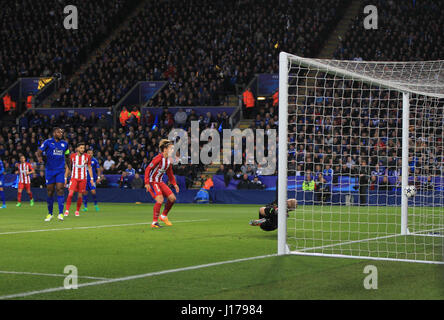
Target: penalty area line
(134, 277)
(93, 227)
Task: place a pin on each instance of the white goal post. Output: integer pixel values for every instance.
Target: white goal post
(352, 136)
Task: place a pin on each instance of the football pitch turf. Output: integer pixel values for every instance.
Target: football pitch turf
(202, 256)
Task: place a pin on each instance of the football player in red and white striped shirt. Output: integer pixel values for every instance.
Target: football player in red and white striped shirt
(25, 170)
(78, 164)
(156, 187)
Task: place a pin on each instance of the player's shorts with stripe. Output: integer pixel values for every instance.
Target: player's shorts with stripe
(26, 186)
(89, 186)
(55, 176)
(77, 185)
(159, 189)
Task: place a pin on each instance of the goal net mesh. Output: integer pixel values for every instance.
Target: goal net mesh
(344, 160)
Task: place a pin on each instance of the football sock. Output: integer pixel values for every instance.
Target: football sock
(30, 195)
(2, 195)
(60, 201)
(19, 197)
(156, 211)
(95, 199)
(68, 202)
(79, 203)
(85, 201)
(167, 208)
(50, 202)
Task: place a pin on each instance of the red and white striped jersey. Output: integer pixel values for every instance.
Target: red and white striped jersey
(80, 164)
(157, 168)
(24, 169)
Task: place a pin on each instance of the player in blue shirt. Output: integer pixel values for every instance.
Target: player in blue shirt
(95, 167)
(56, 150)
(2, 182)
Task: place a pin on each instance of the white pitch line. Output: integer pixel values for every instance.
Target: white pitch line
(49, 275)
(417, 233)
(139, 276)
(92, 227)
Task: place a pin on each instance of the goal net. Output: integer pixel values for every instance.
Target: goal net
(355, 136)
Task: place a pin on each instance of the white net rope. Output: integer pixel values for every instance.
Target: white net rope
(345, 141)
(422, 77)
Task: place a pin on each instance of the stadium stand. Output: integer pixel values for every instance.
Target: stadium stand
(408, 31)
(204, 51)
(116, 150)
(35, 43)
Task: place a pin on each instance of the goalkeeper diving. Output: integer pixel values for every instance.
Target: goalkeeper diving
(268, 215)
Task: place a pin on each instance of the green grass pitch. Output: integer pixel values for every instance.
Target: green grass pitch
(117, 242)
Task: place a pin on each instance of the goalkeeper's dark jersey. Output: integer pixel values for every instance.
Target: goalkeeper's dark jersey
(271, 218)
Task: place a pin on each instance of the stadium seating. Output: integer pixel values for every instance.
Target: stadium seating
(35, 43)
(408, 31)
(204, 50)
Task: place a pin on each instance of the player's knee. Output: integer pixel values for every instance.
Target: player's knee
(172, 198)
(159, 199)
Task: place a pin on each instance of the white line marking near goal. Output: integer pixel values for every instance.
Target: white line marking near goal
(94, 227)
(416, 233)
(138, 276)
(49, 275)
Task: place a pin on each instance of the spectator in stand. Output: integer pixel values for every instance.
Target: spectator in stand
(363, 182)
(109, 162)
(124, 117)
(244, 183)
(124, 181)
(417, 183)
(429, 185)
(137, 182)
(221, 170)
(308, 184)
(208, 184)
(180, 118)
(102, 182)
(130, 171)
(373, 183)
(39, 181)
(384, 184)
(228, 176)
(257, 184)
(249, 102)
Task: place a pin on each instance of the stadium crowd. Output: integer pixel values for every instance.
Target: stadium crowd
(407, 31)
(204, 51)
(126, 151)
(35, 42)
